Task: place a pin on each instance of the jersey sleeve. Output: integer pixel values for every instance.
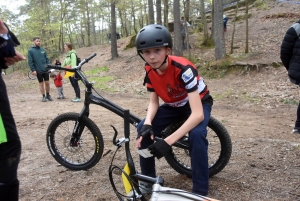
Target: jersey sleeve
(147, 81)
(189, 77)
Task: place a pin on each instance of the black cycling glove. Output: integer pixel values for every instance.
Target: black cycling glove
(145, 131)
(160, 148)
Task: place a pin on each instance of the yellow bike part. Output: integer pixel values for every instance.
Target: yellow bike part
(126, 182)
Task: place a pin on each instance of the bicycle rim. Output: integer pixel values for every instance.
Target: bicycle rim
(182, 156)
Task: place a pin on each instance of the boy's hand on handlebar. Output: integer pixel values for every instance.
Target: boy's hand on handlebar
(160, 148)
(145, 131)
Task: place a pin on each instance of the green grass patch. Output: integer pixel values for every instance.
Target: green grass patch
(102, 83)
(289, 102)
(223, 95)
(96, 70)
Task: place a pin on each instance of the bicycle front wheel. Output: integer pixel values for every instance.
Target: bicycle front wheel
(219, 149)
(31, 76)
(88, 150)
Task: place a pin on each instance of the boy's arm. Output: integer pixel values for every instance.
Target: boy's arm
(194, 119)
(287, 46)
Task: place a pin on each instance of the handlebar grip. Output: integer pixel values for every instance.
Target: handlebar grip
(90, 57)
(53, 66)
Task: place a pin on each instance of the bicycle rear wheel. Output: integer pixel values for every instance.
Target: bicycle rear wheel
(31, 76)
(219, 149)
(88, 150)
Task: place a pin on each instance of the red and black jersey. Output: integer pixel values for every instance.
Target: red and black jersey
(180, 78)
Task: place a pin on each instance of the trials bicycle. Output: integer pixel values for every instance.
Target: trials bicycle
(76, 142)
(130, 177)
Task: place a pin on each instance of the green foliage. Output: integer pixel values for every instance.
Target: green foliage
(261, 4)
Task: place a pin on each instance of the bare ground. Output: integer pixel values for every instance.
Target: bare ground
(257, 107)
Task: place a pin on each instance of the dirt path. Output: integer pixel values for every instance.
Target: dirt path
(264, 164)
(257, 108)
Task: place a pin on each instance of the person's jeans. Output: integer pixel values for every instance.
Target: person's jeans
(167, 115)
(184, 42)
(75, 85)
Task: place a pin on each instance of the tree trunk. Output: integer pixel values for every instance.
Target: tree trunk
(88, 23)
(114, 50)
(150, 11)
(158, 12)
(177, 47)
(247, 31)
(212, 19)
(233, 31)
(204, 23)
(218, 29)
(187, 11)
(133, 16)
(166, 11)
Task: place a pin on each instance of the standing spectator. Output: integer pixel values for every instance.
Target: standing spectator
(225, 20)
(58, 84)
(57, 62)
(184, 24)
(10, 144)
(70, 62)
(290, 57)
(183, 33)
(38, 60)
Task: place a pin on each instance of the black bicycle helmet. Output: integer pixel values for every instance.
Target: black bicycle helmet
(153, 35)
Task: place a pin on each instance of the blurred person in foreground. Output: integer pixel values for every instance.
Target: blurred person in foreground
(10, 144)
(290, 57)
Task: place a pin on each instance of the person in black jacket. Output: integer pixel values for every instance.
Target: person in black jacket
(10, 144)
(290, 57)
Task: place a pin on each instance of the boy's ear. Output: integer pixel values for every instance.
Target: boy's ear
(168, 50)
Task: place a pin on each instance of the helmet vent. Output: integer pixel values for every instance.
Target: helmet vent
(158, 40)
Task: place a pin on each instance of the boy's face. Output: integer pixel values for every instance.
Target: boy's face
(155, 56)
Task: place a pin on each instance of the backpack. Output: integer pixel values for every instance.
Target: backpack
(78, 60)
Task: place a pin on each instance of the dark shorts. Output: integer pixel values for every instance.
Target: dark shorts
(43, 76)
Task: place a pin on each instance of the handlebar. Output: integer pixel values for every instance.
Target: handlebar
(59, 67)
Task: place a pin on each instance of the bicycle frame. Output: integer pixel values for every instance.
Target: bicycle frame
(91, 98)
(159, 193)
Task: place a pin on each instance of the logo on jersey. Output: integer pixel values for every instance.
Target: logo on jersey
(176, 92)
(187, 75)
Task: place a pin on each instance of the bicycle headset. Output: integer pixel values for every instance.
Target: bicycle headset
(151, 36)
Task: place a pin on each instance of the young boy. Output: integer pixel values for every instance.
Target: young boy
(176, 81)
(59, 84)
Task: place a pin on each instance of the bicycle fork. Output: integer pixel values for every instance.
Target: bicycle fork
(79, 127)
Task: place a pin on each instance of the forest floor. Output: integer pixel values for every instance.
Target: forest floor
(258, 108)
